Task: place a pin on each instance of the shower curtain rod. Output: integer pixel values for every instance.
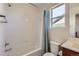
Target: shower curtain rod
(33, 5)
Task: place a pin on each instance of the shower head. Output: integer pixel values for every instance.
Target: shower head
(9, 4)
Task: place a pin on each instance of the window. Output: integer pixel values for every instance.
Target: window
(57, 18)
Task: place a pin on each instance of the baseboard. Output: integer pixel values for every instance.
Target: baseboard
(36, 52)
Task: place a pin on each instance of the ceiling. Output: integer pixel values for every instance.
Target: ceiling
(44, 5)
(72, 5)
(37, 5)
(48, 5)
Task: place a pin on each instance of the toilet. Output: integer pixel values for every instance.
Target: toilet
(54, 46)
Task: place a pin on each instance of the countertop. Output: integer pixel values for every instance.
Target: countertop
(72, 44)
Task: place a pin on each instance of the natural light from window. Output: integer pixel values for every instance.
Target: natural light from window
(58, 16)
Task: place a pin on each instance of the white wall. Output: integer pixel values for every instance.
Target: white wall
(57, 34)
(23, 28)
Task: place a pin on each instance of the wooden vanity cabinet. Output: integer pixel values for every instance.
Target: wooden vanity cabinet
(68, 52)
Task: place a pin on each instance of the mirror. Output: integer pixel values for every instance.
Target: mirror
(74, 20)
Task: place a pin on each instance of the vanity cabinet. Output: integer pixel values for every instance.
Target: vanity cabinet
(68, 52)
(70, 47)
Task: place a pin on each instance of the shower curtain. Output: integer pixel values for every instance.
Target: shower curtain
(46, 25)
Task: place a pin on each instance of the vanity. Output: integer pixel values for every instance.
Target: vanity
(70, 47)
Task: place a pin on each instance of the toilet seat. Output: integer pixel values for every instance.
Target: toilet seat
(49, 54)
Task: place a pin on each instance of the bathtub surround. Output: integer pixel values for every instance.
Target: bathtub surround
(23, 28)
(37, 52)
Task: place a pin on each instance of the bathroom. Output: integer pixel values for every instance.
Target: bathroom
(27, 29)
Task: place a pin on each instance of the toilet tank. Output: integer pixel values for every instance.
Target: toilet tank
(54, 46)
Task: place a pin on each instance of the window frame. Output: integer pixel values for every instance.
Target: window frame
(51, 13)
